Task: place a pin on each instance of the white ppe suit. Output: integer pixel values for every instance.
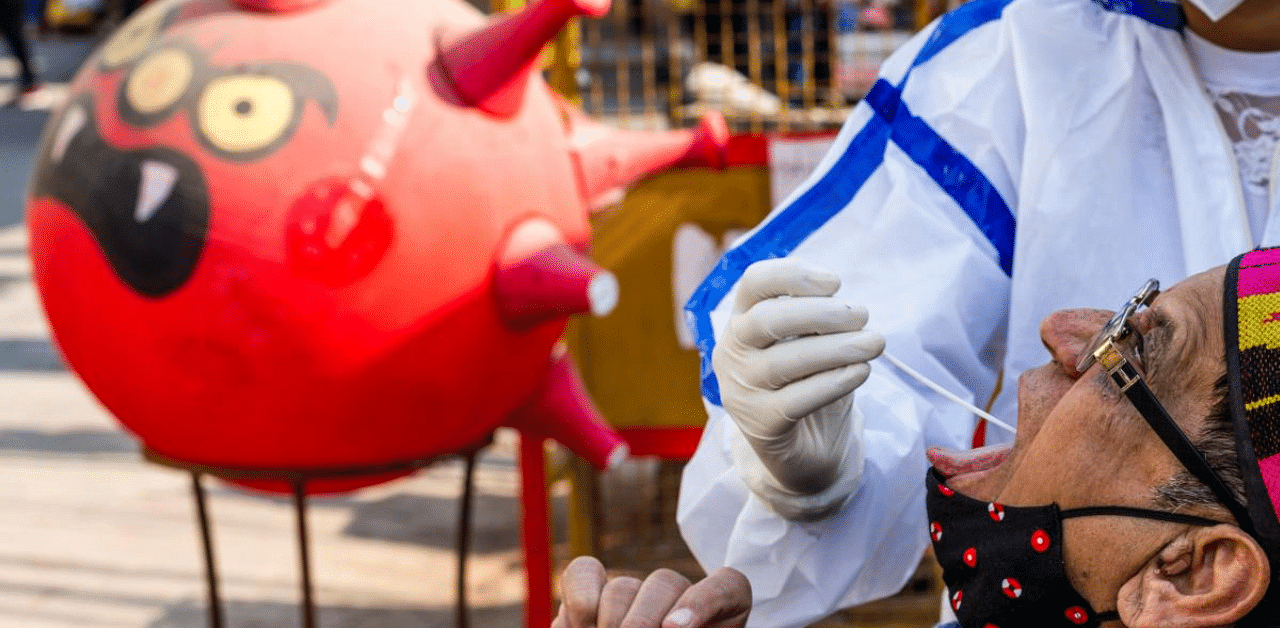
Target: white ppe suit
(1083, 123)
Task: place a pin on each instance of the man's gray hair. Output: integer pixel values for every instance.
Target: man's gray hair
(1217, 441)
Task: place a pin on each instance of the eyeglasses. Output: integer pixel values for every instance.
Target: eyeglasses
(1119, 337)
(1117, 347)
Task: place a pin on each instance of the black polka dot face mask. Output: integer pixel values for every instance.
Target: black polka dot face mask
(1003, 564)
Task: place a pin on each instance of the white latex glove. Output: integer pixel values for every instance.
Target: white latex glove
(788, 363)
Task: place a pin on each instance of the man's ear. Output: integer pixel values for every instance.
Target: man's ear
(1206, 577)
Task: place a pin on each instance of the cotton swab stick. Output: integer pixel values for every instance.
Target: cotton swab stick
(946, 393)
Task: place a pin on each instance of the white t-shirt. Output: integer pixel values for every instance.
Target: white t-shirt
(1245, 89)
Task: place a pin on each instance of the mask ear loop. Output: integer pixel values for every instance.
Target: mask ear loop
(1105, 616)
(936, 387)
(1141, 513)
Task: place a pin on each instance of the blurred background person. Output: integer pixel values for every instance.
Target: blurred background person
(12, 22)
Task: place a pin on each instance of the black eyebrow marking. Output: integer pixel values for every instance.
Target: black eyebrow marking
(308, 83)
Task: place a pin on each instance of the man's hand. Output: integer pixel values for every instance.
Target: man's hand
(788, 362)
(665, 599)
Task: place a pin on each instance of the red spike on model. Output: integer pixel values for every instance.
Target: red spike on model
(539, 278)
(490, 66)
(608, 159)
(563, 410)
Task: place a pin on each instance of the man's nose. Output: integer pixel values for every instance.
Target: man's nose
(1066, 334)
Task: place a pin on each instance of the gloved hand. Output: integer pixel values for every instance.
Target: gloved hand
(788, 363)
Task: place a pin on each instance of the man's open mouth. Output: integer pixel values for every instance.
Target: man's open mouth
(971, 463)
(148, 208)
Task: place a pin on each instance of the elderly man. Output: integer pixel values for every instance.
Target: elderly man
(1139, 488)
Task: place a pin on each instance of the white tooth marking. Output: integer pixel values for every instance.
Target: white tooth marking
(72, 123)
(158, 179)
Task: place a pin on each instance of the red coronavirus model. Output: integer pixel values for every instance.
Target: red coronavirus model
(330, 234)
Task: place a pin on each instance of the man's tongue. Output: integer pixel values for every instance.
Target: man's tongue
(952, 463)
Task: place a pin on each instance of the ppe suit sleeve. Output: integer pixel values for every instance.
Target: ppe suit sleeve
(907, 209)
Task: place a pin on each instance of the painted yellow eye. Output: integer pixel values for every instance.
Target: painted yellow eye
(246, 113)
(159, 81)
(135, 36)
